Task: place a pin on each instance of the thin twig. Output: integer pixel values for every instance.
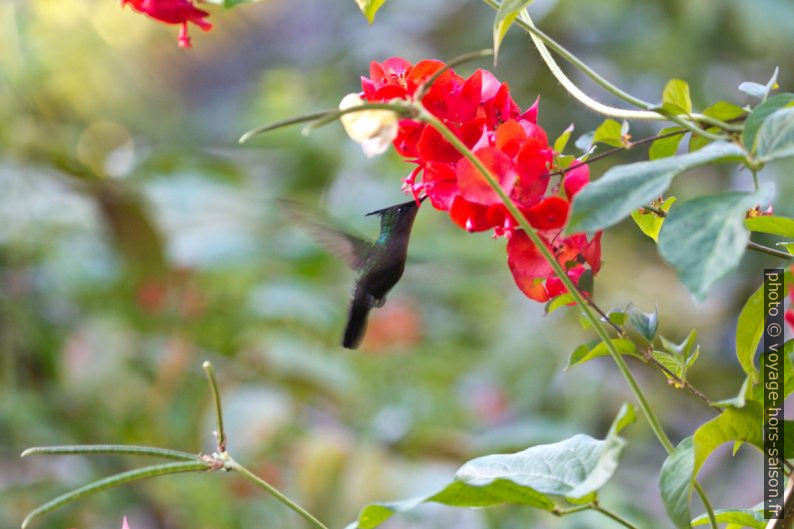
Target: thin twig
(616, 150)
(220, 434)
(769, 251)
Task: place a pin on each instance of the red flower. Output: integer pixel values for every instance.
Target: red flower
(173, 12)
(480, 111)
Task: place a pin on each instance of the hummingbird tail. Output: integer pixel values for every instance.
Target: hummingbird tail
(356, 324)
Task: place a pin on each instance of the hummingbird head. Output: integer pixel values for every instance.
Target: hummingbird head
(398, 216)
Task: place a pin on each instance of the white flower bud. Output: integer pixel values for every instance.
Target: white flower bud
(373, 129)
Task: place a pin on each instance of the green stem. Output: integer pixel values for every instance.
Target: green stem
(580, 300)
(318, 119)
(115, 481)
(579, 508)
(614, 516)
(231, 464)
(649, 112)
(402, 109)
(132, 450)
(769, 251)
(220, 434)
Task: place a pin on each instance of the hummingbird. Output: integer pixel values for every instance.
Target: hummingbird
(379, 263)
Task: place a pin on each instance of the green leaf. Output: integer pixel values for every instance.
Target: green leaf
(626, 415)
(611, 133)
(562, 140)
(759, 90)
(574, 468)
(649, 222)
(581, 355)
(675, 482)
(733, 424)
(749, 329)
(505, 16)
(585, 141)
(618, 317)
(675, 97)
(754, 89)
(705, 237)
(725, 111)
(776, 136)
(369, 8)
(789, 246)
(753, 518)
(560, 301)
(114, 481)
(759, 115)
(563, 161)
(782, 226)
(664, 147)
(624, 188)
(645, 323)
(678, 358)
(457, 494)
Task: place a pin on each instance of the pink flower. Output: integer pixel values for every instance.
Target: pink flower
(173, 12)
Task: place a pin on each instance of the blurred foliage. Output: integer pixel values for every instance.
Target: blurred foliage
(137, 239)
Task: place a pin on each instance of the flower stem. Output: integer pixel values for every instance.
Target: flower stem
(220, 434)
(318, 119)
(231, 464)
(649, 111)
(609, 514)
(580, 300)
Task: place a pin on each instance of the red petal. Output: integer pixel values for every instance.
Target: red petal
(469, 216)
(548, 214)
(532, 112)
(472, 132)
(377, 74)
(408, 137)
(490, 85)
(468, 100)
(389, 92)
(575, 179)
(369, 88)
(396, 66)
(528, 266)
(592, 253)
(555, 286)
(422, 71)
(440, 183)
(433, 147)
(473, 185)
(509, 137)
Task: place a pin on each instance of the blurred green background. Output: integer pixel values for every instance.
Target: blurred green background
(137, 239)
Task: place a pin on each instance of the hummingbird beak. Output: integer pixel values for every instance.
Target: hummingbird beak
(410, 203)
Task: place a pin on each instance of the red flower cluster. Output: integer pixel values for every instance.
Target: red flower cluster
(481, 112)
(173, 12)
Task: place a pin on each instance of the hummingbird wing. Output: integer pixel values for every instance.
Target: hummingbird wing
(351, 249)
